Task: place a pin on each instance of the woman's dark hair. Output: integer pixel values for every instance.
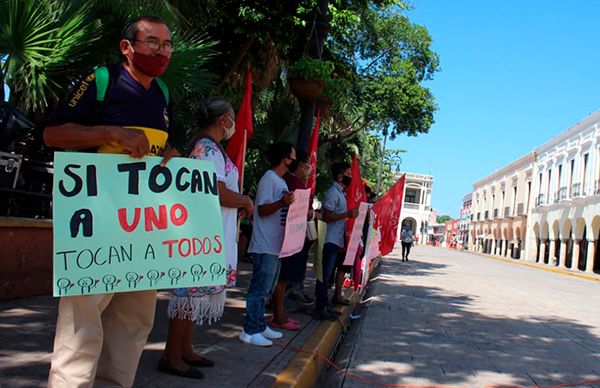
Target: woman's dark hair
(279, 151)
(339, 168)
(211, 109)
(302, 156)
(208, 112)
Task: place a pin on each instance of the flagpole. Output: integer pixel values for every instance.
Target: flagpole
(243, 162)
(239, 223)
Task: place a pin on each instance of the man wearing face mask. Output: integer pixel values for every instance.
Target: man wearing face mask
(293, 268)
(334, 214)
(271, 204)
(99, 338)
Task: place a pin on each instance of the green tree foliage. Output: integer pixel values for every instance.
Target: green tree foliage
(442, 219)
(46, 44)
(380, 64)
(41, 44)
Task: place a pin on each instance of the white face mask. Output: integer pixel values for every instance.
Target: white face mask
(231, 130)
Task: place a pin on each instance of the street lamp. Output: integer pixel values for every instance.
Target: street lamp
(397, 161)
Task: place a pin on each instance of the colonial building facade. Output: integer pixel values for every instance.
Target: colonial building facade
(416, 208)
(499, 210)
(464, 222)
(564, 226)
(545, 207)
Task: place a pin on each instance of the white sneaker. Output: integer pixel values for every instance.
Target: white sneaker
(255, 339)
(271, 334)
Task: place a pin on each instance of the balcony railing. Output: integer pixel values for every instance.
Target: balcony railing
(556, 197)
(575, 190)
(562, 193)
(521, 209)
(495, 213)
(507, 211)
(414, 206)
(540, 200)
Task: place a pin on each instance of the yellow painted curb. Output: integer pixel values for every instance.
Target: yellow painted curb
(538, 266)
(305, 368)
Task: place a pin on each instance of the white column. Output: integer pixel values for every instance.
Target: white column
(576, 250)
(493, 251)
(542, 250)
(591, 255)
(551, 256)
(562, 260)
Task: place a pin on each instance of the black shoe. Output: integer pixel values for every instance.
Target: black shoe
(336, 302)
(192, 373)
(324, 315)
(203, 362)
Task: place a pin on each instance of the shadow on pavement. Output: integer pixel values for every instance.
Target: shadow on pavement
(416, 332)
(27, 333)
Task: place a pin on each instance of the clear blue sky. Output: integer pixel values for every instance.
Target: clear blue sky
(513, 75)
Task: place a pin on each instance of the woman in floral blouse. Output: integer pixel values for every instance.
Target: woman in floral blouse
(199, 304)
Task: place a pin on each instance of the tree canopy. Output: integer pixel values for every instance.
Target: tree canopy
(381, 62)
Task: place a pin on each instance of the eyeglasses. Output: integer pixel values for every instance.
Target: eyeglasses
(156, 45)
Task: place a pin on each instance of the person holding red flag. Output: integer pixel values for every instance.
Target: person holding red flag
(355, 194)
(312, 154)
(335, 214)
(387, 211)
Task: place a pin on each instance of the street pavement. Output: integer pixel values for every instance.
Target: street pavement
(27, 328)
(454, 318)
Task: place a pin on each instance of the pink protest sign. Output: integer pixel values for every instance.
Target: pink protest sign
(372, 250)
(356, 235)
(295, 224)
(365, 260)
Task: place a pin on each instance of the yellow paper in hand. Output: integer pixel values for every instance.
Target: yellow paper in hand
(156, 138)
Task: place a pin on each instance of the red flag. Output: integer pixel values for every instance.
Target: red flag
(312, 151)
(355, 193)
(236, 148)
(387, 211)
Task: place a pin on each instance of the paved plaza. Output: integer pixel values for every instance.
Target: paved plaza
(454, 318)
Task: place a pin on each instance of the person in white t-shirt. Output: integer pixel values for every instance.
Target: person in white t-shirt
(407, 240)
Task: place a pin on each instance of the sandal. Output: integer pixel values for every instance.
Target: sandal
(290, 325)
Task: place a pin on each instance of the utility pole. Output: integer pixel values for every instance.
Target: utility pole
(315, 49)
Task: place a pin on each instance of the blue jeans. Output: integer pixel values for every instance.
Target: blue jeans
(265, 271)
(330, 253)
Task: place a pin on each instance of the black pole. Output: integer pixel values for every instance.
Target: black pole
(315, 50)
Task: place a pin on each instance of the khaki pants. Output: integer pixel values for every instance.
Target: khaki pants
(99, 339)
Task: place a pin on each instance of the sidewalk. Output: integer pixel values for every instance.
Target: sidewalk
(27, 333)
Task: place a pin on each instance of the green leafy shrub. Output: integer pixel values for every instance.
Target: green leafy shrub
(307, 67)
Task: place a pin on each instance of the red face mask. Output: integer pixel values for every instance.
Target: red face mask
(150, 65)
